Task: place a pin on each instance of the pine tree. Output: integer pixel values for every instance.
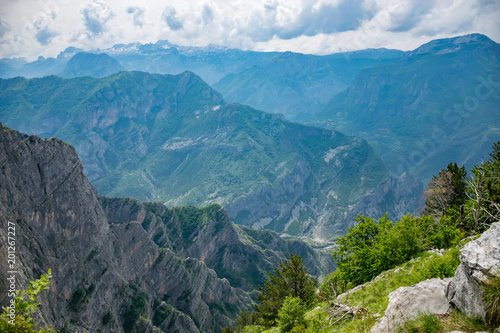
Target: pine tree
(438, 194)
(446, 190)
(458, 184)
(290, 279)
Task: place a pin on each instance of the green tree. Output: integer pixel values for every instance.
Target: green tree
(438, 193)
(291, 314)
(245, 319)
(401, 242)
(440, 233)
(373, 247)
(290, 279)
(333, 285)
(355, 255)
(19, 318)
(447, 190)
(458, 194)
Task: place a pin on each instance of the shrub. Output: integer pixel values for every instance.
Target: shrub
(25, 305)
(333, 285)
(253, 329)
(291, 314)
(299, 329)
(440, 234)
(441, 266)
(373, 247)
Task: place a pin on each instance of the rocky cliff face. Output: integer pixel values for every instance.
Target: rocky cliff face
(240, 254)
(121, 265)
(106, 276)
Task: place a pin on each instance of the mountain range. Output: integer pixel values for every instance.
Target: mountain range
(299, 85)
(296, 85)
(413, 107)
(438, 103)
(174, 139)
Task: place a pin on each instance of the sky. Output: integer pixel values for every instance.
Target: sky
(32, 28)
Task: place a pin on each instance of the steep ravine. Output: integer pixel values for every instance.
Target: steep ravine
(240, 254)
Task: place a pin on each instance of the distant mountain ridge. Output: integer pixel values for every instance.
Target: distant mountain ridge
(450, 45)
(294, 84)
(41, 67)
(173, 138)
(89, 64)
(439, 103)
(299, 85)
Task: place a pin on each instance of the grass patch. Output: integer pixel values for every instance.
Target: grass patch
(491, 299)
(458, 321)
(425, 323)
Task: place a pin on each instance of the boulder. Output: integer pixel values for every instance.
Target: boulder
(479, 259)
(407, 303)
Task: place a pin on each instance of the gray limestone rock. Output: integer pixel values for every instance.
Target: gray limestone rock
(406, 303)
(242, 255)
(478, 260)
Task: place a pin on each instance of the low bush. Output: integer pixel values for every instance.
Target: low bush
(291, 314)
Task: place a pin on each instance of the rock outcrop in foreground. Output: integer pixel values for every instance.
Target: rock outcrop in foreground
(479, 260)
(407, 303)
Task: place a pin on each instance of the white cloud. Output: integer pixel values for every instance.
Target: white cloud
(137, 14)
(95, 15)
(172, 19)
(5, 28)
(42, 27)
